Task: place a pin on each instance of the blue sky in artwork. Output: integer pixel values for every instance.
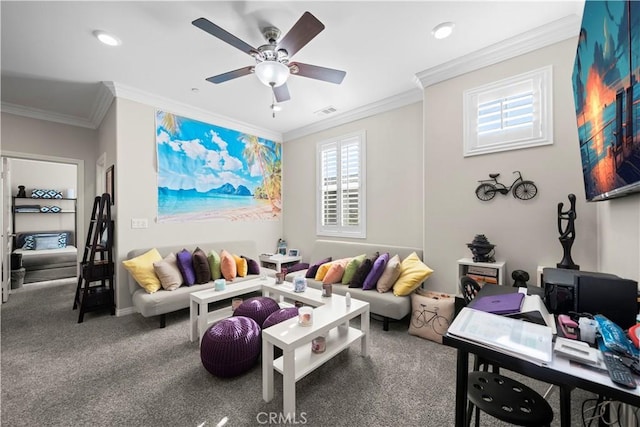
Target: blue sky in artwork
(203, 156)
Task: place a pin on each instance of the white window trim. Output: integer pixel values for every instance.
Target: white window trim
(359, 232)
(542, 78)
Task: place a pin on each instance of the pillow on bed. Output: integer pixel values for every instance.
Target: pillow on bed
(29, 243)
(45, 240)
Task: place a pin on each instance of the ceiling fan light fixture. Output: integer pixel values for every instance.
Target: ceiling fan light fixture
(272, 73)
(106, 38)
(443, 30)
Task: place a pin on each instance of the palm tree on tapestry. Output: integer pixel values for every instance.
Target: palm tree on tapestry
(273, 183)
(257, 152)
(170, 122)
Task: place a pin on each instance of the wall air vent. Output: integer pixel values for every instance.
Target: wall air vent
(326, 111)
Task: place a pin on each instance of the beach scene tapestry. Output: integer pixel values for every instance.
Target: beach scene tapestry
(207, 172)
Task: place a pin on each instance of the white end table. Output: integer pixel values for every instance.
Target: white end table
(330, 319)
(278, 261)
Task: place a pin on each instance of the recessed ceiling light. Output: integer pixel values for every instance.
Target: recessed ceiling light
(106, 38)
(443, 30)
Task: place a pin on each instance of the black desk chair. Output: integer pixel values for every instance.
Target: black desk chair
(507, 400)
(497, 395)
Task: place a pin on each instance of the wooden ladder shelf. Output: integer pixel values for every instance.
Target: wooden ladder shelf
(95, 279)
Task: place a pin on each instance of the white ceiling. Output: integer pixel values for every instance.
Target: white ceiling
(51, 63)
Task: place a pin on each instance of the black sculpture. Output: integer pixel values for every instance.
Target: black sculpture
(21, 192)
(520, 278)
(568, 235)
(481, 249)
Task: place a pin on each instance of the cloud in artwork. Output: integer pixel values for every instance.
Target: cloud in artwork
(215, 138)
(194, 149)
(222, 160)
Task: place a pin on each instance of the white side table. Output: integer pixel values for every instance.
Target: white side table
(278, 261)
(493, 271)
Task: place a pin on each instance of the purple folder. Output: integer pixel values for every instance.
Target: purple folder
(500, 304)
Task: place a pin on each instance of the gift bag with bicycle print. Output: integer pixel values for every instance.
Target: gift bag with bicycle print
(431, 314)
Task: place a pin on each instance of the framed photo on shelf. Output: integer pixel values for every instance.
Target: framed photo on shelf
(294, 252)
(282, 247)
(109, 183)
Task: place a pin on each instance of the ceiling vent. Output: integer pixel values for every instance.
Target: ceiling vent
(326, 111)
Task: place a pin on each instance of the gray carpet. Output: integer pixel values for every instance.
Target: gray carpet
(125, 371)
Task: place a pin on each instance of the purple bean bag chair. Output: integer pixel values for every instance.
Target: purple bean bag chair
(231, 346)
(257, 308)
(277, 317)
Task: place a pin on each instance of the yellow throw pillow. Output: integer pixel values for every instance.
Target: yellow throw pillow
(322, 270)
(241, 265)
(141, 268)
(228, 265)
(413, 273)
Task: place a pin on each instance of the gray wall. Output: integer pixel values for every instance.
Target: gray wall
(34, 138)
(619, 236)
(525, 232)
(394, 180)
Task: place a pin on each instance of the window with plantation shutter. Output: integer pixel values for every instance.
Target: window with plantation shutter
(341, 189)
(509, 114)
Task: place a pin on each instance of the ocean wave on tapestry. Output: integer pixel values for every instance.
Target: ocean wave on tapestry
(207, 172)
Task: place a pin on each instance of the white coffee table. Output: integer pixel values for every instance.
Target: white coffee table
(278, 261)
(200, 316)
(330, 319)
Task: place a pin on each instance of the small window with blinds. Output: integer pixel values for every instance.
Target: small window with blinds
(509, 114)
(341, 186)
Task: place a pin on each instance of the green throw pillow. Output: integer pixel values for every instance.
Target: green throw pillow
(351, 268)
(214, 265)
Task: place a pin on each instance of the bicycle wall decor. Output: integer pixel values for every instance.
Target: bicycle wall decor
(522, 189)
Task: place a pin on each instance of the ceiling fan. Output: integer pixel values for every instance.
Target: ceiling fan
(272, 59)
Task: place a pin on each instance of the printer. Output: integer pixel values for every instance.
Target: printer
(591, 292)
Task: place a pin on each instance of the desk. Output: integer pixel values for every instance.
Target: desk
(566, 375)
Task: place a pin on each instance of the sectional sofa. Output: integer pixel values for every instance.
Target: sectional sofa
(161, 302)
(387, 305)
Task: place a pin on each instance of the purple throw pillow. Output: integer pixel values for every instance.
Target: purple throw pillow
(376, 271)
(185, 265)
(297, 267)
(252, 265)
(313, 268)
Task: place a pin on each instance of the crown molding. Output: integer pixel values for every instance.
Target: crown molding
(127, 92)
(35, 113)
(386, 104)
(537, 38)
(101, 106)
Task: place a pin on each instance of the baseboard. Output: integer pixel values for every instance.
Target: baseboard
(124, 311)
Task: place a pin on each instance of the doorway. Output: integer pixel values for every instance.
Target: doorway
(23, 216)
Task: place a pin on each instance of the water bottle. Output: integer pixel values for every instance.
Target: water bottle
(347, 299)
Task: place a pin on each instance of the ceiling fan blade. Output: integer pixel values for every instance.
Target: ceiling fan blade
(281, 93)
(319, 73)
(221, 78)
(301, 33)
(222, 34)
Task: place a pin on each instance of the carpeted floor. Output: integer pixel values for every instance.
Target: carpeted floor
(125, 371)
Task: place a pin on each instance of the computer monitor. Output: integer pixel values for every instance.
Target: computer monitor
(613, 297)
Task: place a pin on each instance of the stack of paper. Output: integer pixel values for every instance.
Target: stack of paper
(523, 339)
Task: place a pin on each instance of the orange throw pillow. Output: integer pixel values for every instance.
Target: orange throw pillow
(228, 265)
